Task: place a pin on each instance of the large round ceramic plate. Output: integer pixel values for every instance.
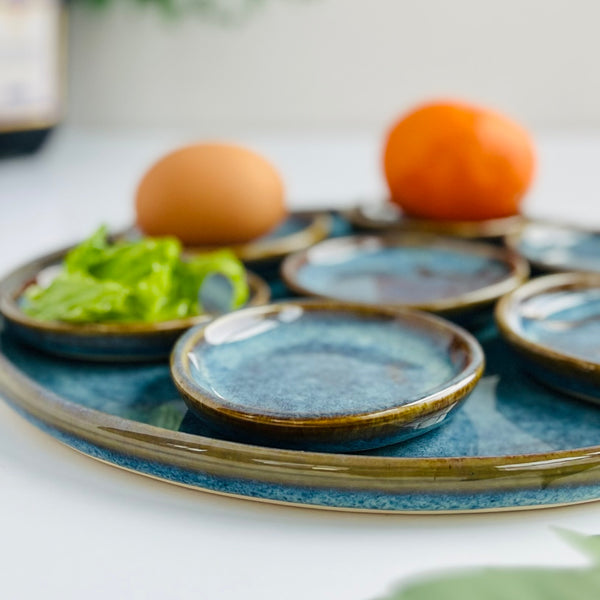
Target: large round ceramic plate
(513, 445)
(408, 270)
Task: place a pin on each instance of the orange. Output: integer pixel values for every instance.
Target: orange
(455, 161)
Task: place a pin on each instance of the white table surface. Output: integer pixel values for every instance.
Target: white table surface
(74, 528)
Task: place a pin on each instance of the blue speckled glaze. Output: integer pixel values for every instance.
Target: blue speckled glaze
(402, 275)
(426, 501)
(555, 323)
(269, 270)
(320, 364)
(133, 347)
(558, 247)
(295, 223)
(507, 414)
(565, 320)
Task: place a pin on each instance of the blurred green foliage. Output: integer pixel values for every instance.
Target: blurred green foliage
(516, 583)
(221, 11)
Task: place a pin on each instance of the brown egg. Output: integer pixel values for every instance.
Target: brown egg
(210, 194)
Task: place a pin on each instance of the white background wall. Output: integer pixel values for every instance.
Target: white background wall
(335, 64)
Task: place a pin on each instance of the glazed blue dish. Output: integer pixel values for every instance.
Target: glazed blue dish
(122, 342)
(554, 323)
(513, 443)
(555, 247)
(297, 232)
(324, 376)
(408, 270)
(386, 216)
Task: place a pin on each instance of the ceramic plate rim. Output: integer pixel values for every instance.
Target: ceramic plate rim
(13, 284)
(509, 303)
(459, 385)
(512, 241)
(319, 225)
(486, 228)
(518, 269)
(119, 433)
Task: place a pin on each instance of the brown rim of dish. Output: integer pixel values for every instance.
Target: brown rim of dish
(509, 303)
(13, 285)
(513, 239)
(487, 228)
(455, 389)
(382, 474)
(317, 229)
(518, 269)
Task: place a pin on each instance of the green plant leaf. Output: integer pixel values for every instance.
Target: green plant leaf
(520, 583)
(505, 584)
(588, 544)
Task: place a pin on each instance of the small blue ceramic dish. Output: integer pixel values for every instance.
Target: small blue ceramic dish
(513, 445)
(556, 247)
(554, 323)
(386, 217)
(409, 270)
(325, 376)
(298, 231)
(96, 341)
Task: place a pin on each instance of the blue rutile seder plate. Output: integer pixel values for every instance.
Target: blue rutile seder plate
(514, 443)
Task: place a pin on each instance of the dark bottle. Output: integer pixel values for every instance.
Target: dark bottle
(32, 74)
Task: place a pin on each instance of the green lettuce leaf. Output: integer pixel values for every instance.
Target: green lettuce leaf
(132, 281)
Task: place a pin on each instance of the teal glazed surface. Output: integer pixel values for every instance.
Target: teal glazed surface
(297, 232)
(129, 348)
(122, 342)
(411, 270)
(295, 223)
(506, 414)
(319, 376)
(386, 216)
(559, 248)
(269, 270)
(407, 275)
(321, 364)
(554, 322)
(513, 444)
(570, 323)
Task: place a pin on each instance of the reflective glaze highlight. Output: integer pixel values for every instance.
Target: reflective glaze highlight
(325, 376)
(514, 443)
(299, 231)
(557, 247)
(554, 322)
(98, 341)
(409, 270)
(386, 217)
